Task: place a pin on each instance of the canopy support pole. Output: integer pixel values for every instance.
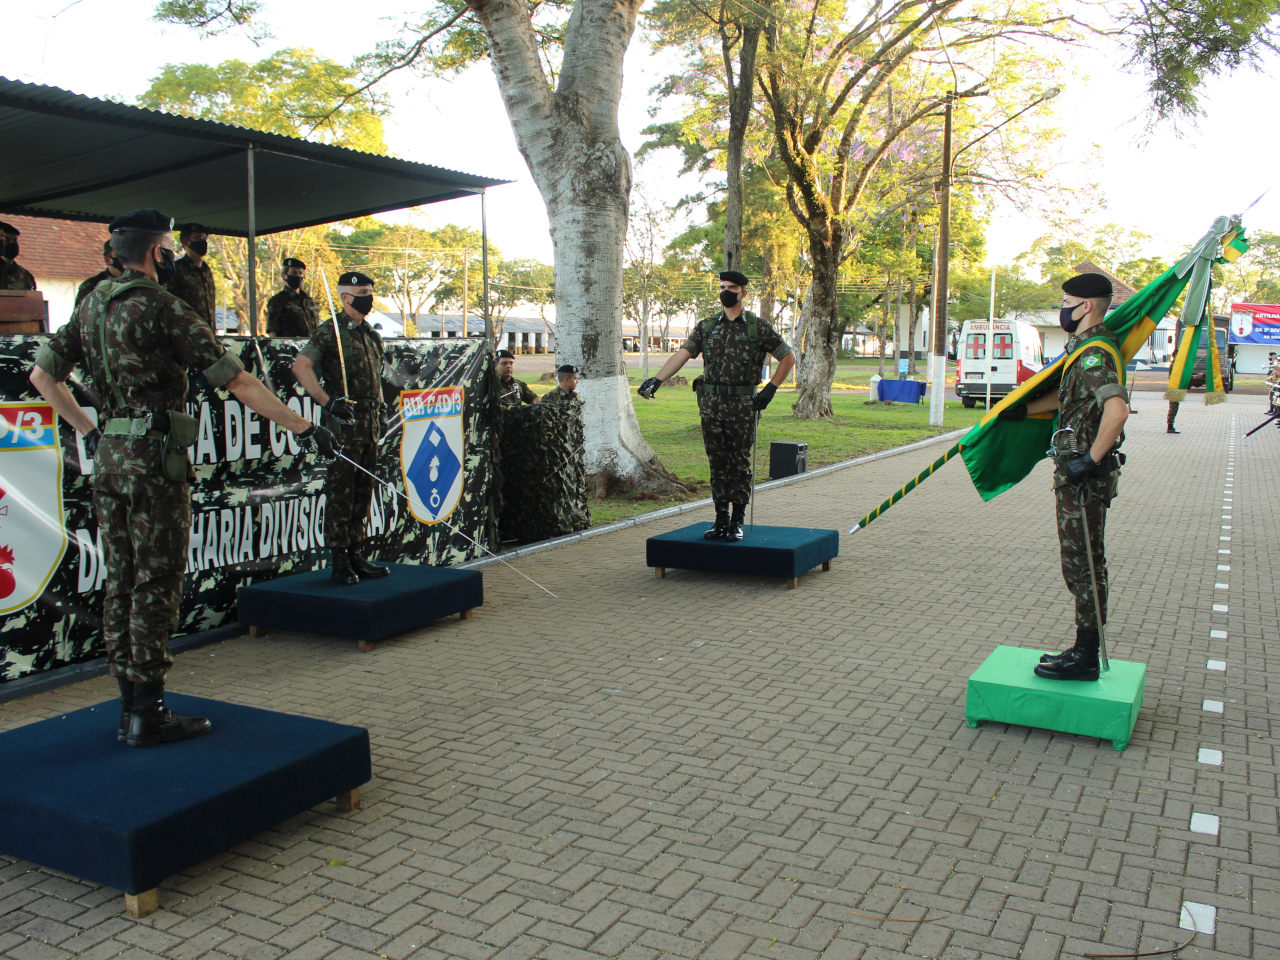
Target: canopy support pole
(484, 266)
(252, 260)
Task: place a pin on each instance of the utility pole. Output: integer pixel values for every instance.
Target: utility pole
(938, 378)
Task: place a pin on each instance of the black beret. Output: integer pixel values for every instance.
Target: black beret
(144, 220)
(1088, 285)
(290, 262)
(505, 355)
(186, 229)
(733, 276)
(7, 228)
(565, 369)
(354, 278)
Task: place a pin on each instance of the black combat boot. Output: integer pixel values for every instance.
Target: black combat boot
(364, 569)
(151, 723)
(341, 564)
(736, 532)
(1078, 663)
(126, 707)
(1056, 657)
(721, 528)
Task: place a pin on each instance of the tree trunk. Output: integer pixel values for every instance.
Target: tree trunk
(740, 100)
(818, 361)
(569, 139)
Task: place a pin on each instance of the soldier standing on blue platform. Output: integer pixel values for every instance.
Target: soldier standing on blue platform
(352, 397)
(733, 344)
(292, 312)
(137, 341)
(1091, 401)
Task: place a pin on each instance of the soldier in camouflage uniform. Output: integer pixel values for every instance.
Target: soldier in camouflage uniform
(511, 392)
(192, 278)
(1092, 402)
(733, 345)
(566, 390)
(136, 342)
(292, 312)
(112, 268)
(357, 409)
(13, 276)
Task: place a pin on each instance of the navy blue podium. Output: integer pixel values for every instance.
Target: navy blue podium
(75, 800)
(783, 552)
(366, 611)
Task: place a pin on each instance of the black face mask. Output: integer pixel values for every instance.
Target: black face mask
(293, 282)
(362, 305)
(164, 267)
(117, 265)
(198, 247)
(728, 298)
(1067, 321)
(11, 249)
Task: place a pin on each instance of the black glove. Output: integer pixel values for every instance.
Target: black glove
(322, 438)
(1079, 467)
(91, 442)
(761, 399)
(1013, 414)
(649, 388)
(342, 409)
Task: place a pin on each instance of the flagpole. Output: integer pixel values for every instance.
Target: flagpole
(910, 485)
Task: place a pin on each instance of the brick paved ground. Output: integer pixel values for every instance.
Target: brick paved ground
(718, 767)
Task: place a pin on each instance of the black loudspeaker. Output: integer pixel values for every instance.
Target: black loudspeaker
(787, 459)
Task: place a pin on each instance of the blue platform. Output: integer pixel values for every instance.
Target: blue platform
(902, 391)
(783, 552)
(75, 800)
(366, 611)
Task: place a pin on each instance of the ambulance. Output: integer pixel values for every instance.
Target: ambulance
(1002, 353)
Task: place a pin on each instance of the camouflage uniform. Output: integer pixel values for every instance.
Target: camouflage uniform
(152, 338)
(730, 365)
(14, 276)
(292, 314)
(1091, 379)
(195, 285)
(89, 286)
(513, 392)
(348, 490)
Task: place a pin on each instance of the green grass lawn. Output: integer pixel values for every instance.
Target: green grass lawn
(670, 423)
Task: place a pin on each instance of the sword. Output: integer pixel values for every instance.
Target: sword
(1265, 420)
(379, 480)
(337, 334)
(755, 431)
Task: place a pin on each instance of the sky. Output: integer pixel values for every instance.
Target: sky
(1170, 186)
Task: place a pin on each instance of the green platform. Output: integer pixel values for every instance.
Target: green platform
(1005, 689)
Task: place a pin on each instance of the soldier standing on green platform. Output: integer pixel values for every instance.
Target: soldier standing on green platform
(1091, 401)
(137, 341)
(511, 392)
(733, 345)
(292, 312)
(192, 278)
(111, 270)
(13, 276)
(352, 397)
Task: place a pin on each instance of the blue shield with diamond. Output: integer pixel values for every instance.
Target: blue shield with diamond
(431, 451)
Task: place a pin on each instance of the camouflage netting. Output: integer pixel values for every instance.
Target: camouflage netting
(257, 504)
(544, 480)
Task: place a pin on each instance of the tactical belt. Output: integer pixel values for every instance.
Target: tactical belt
(151, 427)
(726, 389)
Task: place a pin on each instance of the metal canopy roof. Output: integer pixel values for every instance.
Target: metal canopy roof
(79, 158)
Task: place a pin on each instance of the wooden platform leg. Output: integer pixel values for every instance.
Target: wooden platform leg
(364, 645)
(791, 584)
(348, 800)
(257, 631)
(465, 615)
(660, 572)
(141, 904)
(826, 565)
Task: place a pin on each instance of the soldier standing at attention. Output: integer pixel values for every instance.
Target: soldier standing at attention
(192, 279)
(112, 268)
(359, 418)
(292, 312)
(733, 345)
(1092, 402)
(137, 341)
(566, 386)
(511, 392)
(13, 276)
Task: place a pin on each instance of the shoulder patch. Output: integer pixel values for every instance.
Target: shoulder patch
(1092, 361)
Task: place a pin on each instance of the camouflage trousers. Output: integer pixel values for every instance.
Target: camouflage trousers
(145, 523)
(1072, 521)
(347, 492)
(727, 425)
